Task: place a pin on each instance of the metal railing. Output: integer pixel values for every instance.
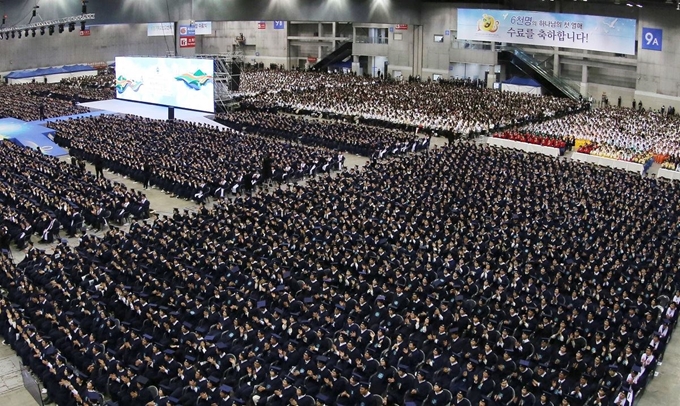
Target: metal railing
(365, 39)
(476, 45)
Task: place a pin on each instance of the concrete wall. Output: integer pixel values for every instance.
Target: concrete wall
(310, 41)
(266, 46)
(659, 72)
(68, 48)
(437, 18)
(400, 52)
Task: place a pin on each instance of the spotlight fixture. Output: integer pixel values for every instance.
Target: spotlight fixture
(82, 26)
(33, 32)
(49, 26)
(19, 33)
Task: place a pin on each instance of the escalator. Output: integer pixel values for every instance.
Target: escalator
(340, 53)
(531, 67)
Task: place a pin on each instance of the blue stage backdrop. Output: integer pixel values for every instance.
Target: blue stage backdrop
(30, 135)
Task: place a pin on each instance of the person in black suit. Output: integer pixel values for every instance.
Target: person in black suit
(148, 173)
(99, 167)
(266, 168)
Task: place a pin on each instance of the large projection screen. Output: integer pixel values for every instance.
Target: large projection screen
(592, 33)
(175, 82)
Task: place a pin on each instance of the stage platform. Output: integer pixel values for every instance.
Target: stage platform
(149, 111)
(30, 135)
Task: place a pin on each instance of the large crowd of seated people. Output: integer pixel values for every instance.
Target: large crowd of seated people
(619, 133)
(24, 101)
(100, 81)
(467, 275)
(349, 137)
(41, 195)
(83, 88)
(31, 102)
(274, 81)
(191, 161)
(445, 108)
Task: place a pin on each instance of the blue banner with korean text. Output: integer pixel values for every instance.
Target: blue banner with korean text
(593, 33)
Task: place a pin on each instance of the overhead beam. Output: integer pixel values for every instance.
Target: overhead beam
(65, 20)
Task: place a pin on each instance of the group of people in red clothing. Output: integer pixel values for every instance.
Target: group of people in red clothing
(545, 141)
(588, 148)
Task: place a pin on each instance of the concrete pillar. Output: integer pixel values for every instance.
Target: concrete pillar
(320, 48)
(334, 27)
(179, 51)
(417, 50)
(355, 65)
(583, 88)
(556, 57)
(490, 80)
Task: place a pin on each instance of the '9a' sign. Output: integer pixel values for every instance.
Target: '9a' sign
(652, 38)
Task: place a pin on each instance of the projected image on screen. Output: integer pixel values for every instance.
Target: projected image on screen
(182, 83)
